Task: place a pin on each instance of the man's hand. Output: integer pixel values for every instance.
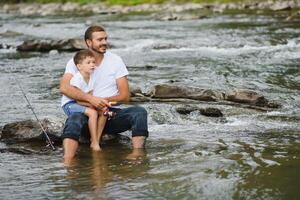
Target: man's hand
(98, 102)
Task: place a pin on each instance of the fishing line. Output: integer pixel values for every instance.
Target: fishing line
(48, 140)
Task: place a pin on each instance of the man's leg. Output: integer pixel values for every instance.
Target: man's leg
(70, 146)
(134, 118)
(73, 128)
(138, 142)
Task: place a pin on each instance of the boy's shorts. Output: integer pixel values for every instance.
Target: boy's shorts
(73, 107)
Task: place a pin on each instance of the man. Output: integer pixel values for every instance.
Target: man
(111, 85)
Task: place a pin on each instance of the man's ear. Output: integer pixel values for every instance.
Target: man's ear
(88, 43)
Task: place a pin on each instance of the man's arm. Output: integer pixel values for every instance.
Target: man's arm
(77, 94)
(124, 94)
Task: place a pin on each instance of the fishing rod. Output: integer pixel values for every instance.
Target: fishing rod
(48, 140)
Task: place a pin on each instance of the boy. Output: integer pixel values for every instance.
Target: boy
(84, 79)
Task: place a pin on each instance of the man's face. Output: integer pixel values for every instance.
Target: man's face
(98, 43)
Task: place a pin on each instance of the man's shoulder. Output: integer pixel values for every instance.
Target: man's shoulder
(112, 55)
(71, 62)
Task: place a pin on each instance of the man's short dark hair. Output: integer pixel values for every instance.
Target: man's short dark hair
(91, 30)
(81, 55)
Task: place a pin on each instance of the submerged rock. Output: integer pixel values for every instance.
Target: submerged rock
(185, 110)
(209, 111)
(17, 150)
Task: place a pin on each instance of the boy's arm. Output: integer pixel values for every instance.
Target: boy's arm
(77, 94)
(123, 87)
(83, 103)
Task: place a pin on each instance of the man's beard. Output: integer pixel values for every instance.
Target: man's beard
(97, 49)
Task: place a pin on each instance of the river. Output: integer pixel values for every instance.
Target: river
(247, 154)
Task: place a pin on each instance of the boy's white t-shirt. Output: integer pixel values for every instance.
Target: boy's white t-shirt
(79, 82)
(106, 74)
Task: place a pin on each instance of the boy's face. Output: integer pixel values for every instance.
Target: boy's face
(87, 65)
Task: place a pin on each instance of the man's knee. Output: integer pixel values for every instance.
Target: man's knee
(74, 126)
(139, 111)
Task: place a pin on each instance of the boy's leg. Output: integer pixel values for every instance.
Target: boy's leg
(101, 124)
(93, 117)
(134, 118)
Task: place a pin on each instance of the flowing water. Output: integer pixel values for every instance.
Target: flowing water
(247, 154)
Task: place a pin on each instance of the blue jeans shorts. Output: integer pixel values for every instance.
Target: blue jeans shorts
(72, 107)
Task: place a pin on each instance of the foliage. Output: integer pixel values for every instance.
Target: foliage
(118, 2)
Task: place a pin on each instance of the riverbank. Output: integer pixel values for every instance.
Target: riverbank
(48, 9)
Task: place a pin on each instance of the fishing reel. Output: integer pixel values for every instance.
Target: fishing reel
(109, 114)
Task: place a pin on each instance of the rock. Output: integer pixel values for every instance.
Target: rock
(184, 110)
(247, 96)
(16, 150)
(280, 6)
(165, 46)
(211, 112)
(172, 91)
(77, 44)
(10, 34)
(48, 45)
(30, 130)
(135, 90)
(53, 52)
(5, 46)
(70, 7)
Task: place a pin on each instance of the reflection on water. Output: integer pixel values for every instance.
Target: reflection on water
(94, 174)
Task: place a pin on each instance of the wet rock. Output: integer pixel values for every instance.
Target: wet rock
(165, 46)
(140, 98)
(172, 91)
(10, 34)
(135, 91)
(16, 150)
(211, 112)
(247, 96)
(185, 110)
(28, 130)
(6, 46)
(53, 52)
(48, 45)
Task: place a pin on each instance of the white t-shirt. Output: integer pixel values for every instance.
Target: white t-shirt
(79, 82)
(106, 74)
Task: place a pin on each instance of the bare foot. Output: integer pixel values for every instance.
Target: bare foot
(95, 147)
